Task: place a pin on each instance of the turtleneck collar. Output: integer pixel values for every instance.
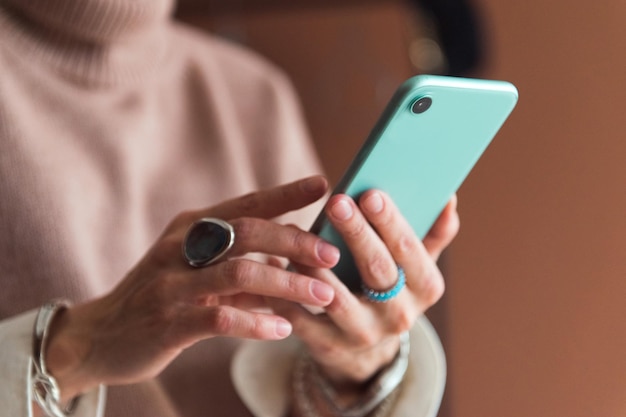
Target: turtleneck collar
(95, 42)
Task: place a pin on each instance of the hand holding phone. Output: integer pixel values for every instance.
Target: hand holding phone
(426, 142)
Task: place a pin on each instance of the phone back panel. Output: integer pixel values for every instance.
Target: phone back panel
(421, 160)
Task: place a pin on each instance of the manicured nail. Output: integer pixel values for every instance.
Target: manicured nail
(341, 210)
(327, 252)
(322, 292)
(283, 328)
(373, 203)
(313, 185)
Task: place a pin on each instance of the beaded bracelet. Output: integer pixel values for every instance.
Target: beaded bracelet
(45, 387)
(309, 385)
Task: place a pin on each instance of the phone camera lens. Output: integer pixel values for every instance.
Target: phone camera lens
(421, 105)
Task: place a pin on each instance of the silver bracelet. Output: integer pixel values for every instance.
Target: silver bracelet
(45, 387)
(377, 395)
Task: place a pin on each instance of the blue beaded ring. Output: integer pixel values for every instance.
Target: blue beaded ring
(384, 296)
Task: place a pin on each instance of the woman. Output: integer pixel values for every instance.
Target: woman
(113, 121)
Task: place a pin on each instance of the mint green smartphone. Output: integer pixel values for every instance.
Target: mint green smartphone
(426, 142)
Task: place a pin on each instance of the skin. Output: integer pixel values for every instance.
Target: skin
(163, 305)
(356, 337)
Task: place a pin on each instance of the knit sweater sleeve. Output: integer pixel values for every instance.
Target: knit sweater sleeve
(16, 370)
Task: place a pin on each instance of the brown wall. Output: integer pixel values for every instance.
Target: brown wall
(536, 322)
(537, 301)
(345, 61)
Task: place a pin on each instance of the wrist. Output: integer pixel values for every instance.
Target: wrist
(314, 396)
(354, 379)
(65, 353)
(45, 389)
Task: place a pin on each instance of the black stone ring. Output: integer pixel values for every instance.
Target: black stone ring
(206, 241)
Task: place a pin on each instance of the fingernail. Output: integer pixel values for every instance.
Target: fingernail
(341, 210)
(322, 292)
(313, 185)
(327, 252)
(283, 328)
(373, 203)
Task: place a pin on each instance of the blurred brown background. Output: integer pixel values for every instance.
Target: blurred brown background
(534, 321)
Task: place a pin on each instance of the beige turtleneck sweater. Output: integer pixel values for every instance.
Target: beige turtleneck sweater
(112, 120)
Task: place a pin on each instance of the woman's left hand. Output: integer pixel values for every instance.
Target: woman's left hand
(357, 337)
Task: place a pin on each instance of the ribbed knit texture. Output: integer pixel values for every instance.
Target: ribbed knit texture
(94, 42)
(112, 120)
(94, 20)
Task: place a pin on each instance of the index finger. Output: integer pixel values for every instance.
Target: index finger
(271, 202)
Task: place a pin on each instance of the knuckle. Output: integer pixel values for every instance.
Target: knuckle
(249, 202)
(238, 272)
(431, 288)
(245, 228)
(356, 230)
(365, 338)
(222, 320)
(298, 239)
(293, 284)
(285, 193)
(327, 349)
(378, 266)
(406, 245)
(259, 327)
(403, 321)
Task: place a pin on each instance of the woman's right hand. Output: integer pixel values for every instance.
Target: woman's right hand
(163, 305)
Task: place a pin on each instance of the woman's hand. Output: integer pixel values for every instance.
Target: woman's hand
(164, 305)
(357, 337)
